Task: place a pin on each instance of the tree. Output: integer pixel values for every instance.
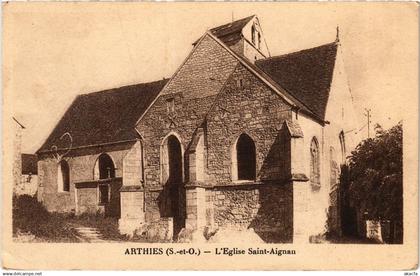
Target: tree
(375, 177)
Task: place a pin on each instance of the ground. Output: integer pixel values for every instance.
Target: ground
(56, 227)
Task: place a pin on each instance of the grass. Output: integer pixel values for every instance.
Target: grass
(31, 218)
(33, 223)
(108, 226)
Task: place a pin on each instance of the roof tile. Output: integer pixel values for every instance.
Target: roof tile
(306, 74)
(104, 117)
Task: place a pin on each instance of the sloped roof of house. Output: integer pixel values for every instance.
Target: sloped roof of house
(306, 74)
(103, 117)
(29, 164)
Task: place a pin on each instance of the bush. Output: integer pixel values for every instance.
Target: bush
(375, 177)
(29, 215)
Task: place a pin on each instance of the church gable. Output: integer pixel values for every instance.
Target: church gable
(203, 72)
(182, 104)
(246, 105)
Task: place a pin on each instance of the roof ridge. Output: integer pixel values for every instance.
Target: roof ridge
(121, 87)
(227, 24)
(298, 52)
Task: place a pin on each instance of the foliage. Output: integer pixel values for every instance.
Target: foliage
(30, 216)
(375, 175)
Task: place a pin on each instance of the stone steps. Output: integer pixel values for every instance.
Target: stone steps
(89, 234)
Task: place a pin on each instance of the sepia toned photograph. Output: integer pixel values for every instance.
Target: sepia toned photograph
(174, 129)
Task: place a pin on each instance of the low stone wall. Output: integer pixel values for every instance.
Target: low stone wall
(87, 201)
(88, 197)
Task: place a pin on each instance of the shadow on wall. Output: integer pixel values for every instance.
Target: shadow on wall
(274, 219)
(172, 198)
(113, 208)
(276, 165)
(172, 204)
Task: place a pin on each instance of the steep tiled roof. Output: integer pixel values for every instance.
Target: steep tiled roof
(265, 77)
(306, 74)
(104, 117)
(29, 164)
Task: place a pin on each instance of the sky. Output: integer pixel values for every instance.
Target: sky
(54, 51)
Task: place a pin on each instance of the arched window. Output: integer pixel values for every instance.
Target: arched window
(253, 34)
(104, 167)
(171, 160)
(343, 147)
(315, 165)
(244, 159)
(172, 200)
(174, 160)
(334, 169)
(63, 176)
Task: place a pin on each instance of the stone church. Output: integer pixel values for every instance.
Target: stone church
(235, 139)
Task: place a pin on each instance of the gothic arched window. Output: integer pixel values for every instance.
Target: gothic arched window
(171, 160)
(63, 176)
(343, 147)
(315, 178)
(245, 158)
(104, 167)
(334, 169)
(253, 34)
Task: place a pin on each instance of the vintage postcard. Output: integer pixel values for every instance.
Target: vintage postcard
(210, 136)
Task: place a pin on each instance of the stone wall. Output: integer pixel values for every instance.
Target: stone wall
(133, 167)
(132, 204)
(153, 205)
(267, 208)
(17, 154)
(28, 185)
(87, 200)
(88, 197)
(81, 163)
(193, 89)
(253, 109)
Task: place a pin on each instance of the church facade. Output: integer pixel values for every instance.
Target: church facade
(235, 139)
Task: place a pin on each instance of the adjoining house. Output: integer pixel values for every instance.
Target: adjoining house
(235, 139)
(28, 184)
